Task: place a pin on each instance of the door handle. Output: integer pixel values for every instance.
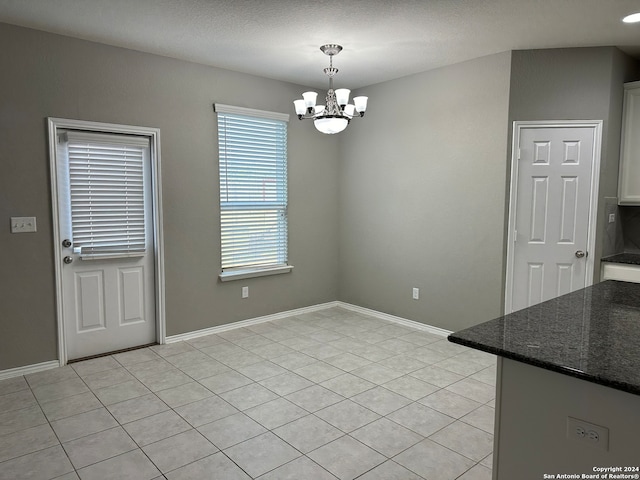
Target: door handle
(580, 254)
(67, 259)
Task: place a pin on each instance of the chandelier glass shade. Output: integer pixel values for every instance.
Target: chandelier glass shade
(337, 112)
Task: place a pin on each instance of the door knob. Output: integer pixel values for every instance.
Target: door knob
(580, 254)
(67, 259)
(66, 243)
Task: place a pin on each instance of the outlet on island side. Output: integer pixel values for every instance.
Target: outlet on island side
(588, 433)
(415, 293)
(245, 292)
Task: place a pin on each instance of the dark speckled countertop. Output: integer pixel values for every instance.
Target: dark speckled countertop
(592, 334)
(628, 258)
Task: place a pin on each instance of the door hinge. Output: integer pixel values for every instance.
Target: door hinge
(515, 236)
(519, 153)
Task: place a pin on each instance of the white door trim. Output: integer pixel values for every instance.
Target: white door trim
(54, 124)
(593, 203)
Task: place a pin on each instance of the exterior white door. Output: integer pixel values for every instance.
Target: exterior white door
(552, 211)
(105, 223)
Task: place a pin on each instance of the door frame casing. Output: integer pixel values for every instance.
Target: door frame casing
(54, 125)
(518, 126)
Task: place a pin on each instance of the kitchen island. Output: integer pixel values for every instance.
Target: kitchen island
(568, 386)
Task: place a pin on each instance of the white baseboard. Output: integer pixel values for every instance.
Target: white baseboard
(39, 367)
(314, 308)
(26, 370)
(399, 320)
(246, 323)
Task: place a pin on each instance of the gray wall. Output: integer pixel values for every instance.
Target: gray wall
(422, 195)
(576, 84)
(416, 201)
(49, 75)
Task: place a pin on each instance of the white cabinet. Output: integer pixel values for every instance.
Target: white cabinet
(620, 271)
(629, 179)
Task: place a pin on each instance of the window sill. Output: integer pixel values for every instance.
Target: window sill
(254, 272)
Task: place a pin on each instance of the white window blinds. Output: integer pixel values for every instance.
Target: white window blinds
(106, 193)
(253, 188)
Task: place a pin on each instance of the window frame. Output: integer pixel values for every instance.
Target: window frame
(250, 271)
(91, 180)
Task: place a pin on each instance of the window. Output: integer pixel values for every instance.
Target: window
(104, 191)
(253, 192)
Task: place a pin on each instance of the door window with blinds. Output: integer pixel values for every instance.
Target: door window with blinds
(105, 188)
(253, 190)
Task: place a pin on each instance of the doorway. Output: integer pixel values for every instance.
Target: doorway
(106, 197)
(552, 210)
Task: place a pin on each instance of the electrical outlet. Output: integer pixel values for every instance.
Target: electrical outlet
(588, 433)
(416, 293)
(245, 292)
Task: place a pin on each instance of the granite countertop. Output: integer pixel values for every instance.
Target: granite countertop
(628, 258)
(592, 334)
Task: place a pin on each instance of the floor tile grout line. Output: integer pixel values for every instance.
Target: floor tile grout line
(52, 430)
(389, 460)
(105, 407)
(343, 334)
(137, 447)
(158, 466)
(121, 425)
(422, 438)
(450, 449)
(120, 455)
(51, 426)
(470, 468)
(269, 430)
(345, 433)
(310, 459)
(231, 460)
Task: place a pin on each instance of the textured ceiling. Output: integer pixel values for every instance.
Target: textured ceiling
(382, 39)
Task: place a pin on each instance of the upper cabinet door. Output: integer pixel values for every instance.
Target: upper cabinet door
(629, 179)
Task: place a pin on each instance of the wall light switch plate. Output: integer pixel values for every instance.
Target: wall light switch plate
(23, 224)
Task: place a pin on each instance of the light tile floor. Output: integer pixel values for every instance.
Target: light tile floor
(324, 395)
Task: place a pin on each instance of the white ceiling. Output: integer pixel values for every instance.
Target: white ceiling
(382, 39)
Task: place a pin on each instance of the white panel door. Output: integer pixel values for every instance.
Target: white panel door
(105, 221)
(552, 205)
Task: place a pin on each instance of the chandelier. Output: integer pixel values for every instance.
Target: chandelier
(338, 112)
